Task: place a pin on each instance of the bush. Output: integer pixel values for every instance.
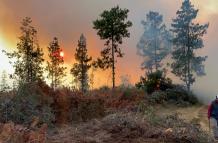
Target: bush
(177, 95)
(127, 93)
(154, 81)
(181, 96)
(90, 108)
(29, 101)
(158, 97)
(74, 107)
(104, 88)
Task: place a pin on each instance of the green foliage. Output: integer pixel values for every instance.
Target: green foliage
(80, 69)
(187, 39)
(154, 81)
(176, 95)
(149, 112)
(28, 102)
(55, 68)
(179, 95)
(154, 44)
(112, 27)
(158, 97)
(28, 57)
(128, 93)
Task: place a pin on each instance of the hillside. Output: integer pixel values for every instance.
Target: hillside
(130, 127)
(125, 115)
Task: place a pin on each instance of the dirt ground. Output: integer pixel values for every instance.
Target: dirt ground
(102, 131)
(188, 113)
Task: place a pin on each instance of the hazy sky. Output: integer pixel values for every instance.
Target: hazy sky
(67, 19)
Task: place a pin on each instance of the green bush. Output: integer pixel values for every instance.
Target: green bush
(177, 95)
(127, 93)
(29, 101)
(154, 81)
(181, 96)
(158, 97)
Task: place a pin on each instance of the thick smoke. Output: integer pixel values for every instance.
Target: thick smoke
(67, 19)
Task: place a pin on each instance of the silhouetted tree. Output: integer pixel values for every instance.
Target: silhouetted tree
(55, 68)
(80, 69)
(154, 44)
(112, 27)
(28, 57)
(187, 39)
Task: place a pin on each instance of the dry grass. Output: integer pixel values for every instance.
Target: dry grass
(130, 127)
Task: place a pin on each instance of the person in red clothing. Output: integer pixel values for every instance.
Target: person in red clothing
(213, 117)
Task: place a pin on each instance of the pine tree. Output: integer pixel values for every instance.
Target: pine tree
(112, 27)
(55, 68)
(154, 44)
(187, 39)
(28, 55)
(80, 69)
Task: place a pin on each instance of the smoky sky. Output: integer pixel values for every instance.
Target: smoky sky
(68, 19)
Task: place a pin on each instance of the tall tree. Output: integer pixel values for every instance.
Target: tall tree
(154, 44)
(80, 69)
(55, 68)
(28, 54)
(112, 27)
(187, 39)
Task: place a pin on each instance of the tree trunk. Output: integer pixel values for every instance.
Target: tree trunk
(83, 77)
(188, 62)
(189, 73)
(155, 53)
(52, 77)
(113, 64)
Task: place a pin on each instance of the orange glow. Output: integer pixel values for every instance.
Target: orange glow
(62, 54)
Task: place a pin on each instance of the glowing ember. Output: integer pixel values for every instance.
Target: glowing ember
(62, 54)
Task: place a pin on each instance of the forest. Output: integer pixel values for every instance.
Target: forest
(36, 106)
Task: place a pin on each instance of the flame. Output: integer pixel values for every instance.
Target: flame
(62, 54)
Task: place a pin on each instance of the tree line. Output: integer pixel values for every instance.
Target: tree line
(157, 42)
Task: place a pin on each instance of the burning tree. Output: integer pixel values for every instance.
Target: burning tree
(56, 70)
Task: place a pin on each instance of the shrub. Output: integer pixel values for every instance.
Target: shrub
(177, 95)
(74, 106)
(28, 102)
(154, 81)
(127, 93)
(181, 96)
(158, 97)
(104, 88)
(90, 108)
